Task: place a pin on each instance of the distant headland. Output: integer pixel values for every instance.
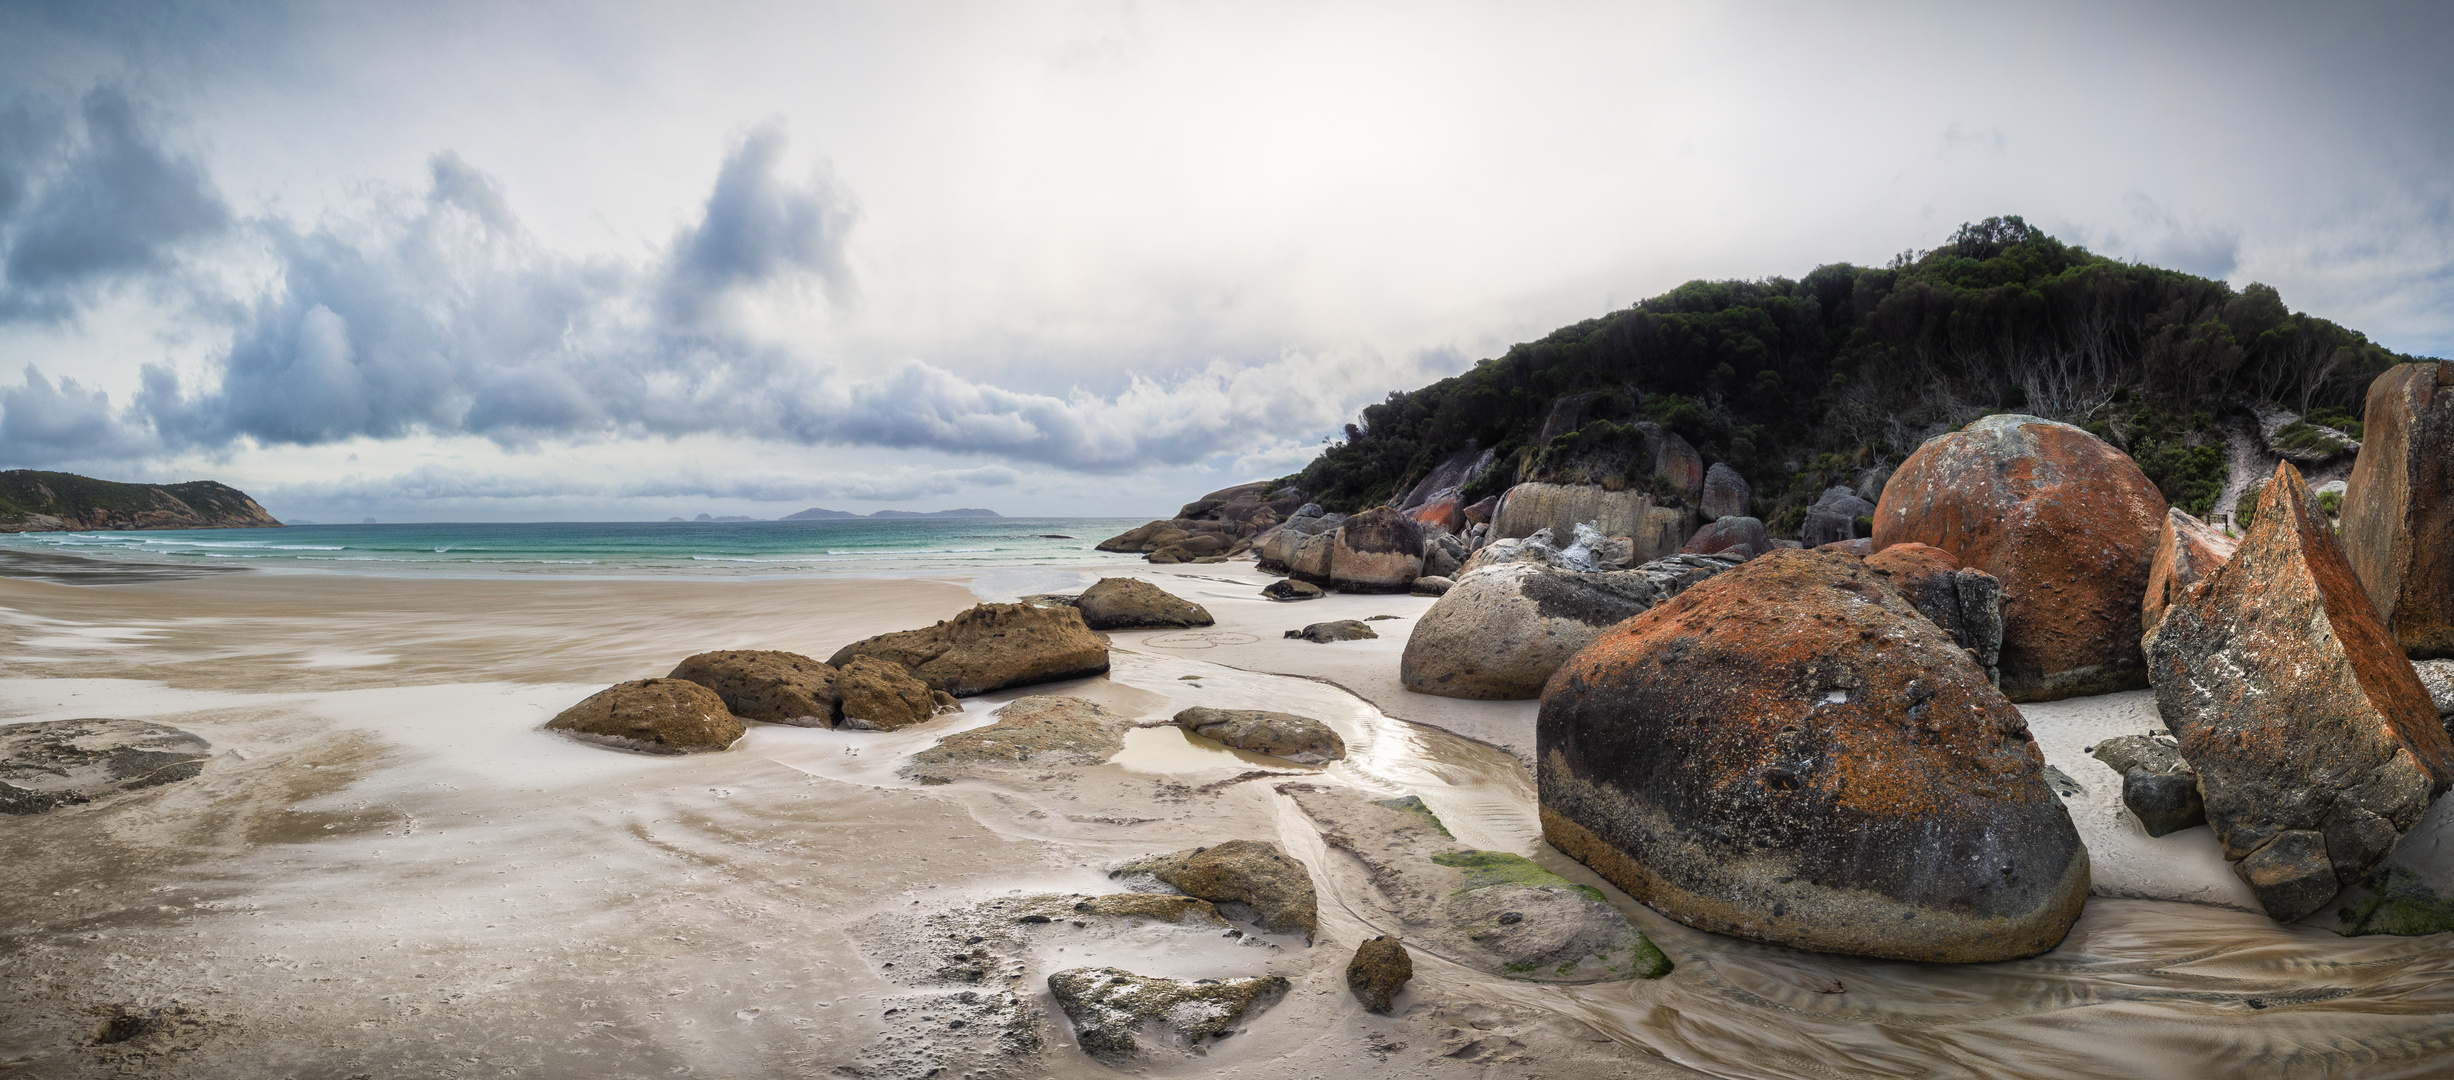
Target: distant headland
(35, 501)
(815, 513)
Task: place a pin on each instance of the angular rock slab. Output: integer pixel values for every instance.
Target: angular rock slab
(764, 684)
(1299, 739)
(1132, 604)
(2066, 522)
(991, 647)
(54, 763)
(1488, 910)
(2315, 745)
(2187, 550)
(2398, 508)
(1791, 753)
(1114, 1010)
(1256, 874)
(1965, 603)
(652, 716)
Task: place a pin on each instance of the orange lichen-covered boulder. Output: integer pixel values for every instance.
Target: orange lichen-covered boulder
(1789, 752)
(2066, 522)
(2316, 747)
(2398, 508)
(2187, 550)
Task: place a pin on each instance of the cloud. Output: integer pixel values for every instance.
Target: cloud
(64, 423)
(757, 229)
(119, 205)
(441, 483)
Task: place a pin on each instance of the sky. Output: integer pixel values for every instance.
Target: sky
(560, 261)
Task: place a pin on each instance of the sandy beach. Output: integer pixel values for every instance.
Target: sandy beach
(387, 869)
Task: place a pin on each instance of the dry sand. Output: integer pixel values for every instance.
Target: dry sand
(389, 871)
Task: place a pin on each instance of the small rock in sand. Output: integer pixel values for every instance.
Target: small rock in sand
(1255, 874)
(1029, 731)
(1130, 603)
(1290, 589)
(2157, 785)
(655, 716)
(1432, 586)
(54, 763)
(1378, 971)
(1110, 1007)
(1296, 738)
(1341, 630)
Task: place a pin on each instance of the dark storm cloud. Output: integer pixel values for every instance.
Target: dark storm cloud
(119, 204)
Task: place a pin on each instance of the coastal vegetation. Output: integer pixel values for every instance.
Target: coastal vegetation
(36, 501)
(1801, 384)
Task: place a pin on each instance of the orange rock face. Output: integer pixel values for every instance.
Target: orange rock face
(2316, 747)
(2398, 509)
(1789, 752)
(2066, 522)
(2187, 550)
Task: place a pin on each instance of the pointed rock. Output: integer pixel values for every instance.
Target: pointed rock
(2187, 550)
(2315, 745)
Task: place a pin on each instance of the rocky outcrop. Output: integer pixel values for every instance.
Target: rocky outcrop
(2187, 550)
(1380, 969)
(1443, 554)
(760, 684)
(1275, 550)
(1965, 603)
(1295, 738)
(2065, 522)
(1834, 518)
(1114, 1010)
(655, 716)
(2158, 787)
(1132, 604)
(1377, 551)
(1489, 910)
(34, 501)
(1254, 880)
(1791, 753)
(1034, 731)
(2316, 747)
(1231, 515)
(1679, 467)
(1741, 536)
(991, 647)
(881, 695)
(1437, 501)
(1322, 633)
(1725, 494)
(2398, 509)
(53, 763)
(1291, 590)
(1655, 530)
(1500, 632)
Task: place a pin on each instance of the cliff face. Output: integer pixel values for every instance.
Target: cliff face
(32, 501)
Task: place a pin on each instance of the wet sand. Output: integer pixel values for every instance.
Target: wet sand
(390, 871)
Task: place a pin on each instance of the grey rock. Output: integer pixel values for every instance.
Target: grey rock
(1323, 633)
(54, 763)
(1834, 517)
(1725, 493)
(1379, 550)
(1296, 738)
(1130, 603)
(2437, 676)
(1113, 1010)
(1432, 586)
(1290, 589)
(2157, 785)
(1498, 633)
(1443, 553)
(1245, 878)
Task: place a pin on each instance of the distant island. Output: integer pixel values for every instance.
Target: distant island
(35, 501)
(816, 513)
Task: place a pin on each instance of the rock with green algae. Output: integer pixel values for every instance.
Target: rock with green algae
(2397, 902)
(1490, 910)
(1114, 1010)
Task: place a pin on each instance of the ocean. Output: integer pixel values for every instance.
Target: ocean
(617, 549)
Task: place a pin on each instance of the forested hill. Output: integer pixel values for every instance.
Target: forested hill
(32, 501)
(1801, 384)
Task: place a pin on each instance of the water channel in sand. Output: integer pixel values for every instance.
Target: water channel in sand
(391, 865)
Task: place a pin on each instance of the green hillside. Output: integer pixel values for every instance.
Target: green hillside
(32, 500)
(1801, 384)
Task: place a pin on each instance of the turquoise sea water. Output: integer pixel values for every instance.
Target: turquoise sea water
(857, 547)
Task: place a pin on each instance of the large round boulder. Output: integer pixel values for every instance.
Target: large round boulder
(656, 716)
(1789, 752)
(1743, 535)
(1379, 550)
(764, 684)
(1499, 632)
(991, 647)
(2067, 523)
(1130, 604)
